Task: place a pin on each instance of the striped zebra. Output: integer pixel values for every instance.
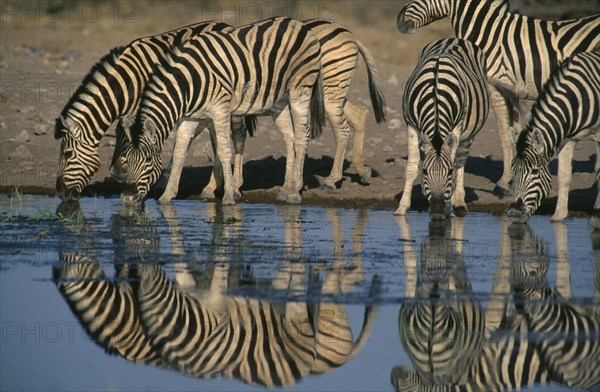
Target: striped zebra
(521, 52)
(255, 69)
(453, 344)
(568, 110)
(445, 105)
(110, 91)
(340, 49)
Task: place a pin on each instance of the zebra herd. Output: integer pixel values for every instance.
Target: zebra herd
(215, 76)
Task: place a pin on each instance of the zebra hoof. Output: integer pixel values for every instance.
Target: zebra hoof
(500, 192)
(460, 211)
(164, 200)
(366, 177)
(205, 195)
(228, 201)
(282, 195)
(237, 196)
(294, 199)
(328, 187)
(595, 220)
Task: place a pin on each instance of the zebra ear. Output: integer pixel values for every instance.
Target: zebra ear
(150, 130)
(72, 127)
(451, 140)
(424, 142)
(513, 136)
(126, 124)
(537, 142)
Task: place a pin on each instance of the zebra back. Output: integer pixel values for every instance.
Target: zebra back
(447, 88)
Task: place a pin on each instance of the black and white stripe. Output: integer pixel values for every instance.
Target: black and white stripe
(255, 69)
(567, 111)
(442, 324)
(445, 105)
(340, 49)
(110, 91)
(521, 52)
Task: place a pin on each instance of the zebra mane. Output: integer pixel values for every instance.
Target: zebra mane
(108, 59)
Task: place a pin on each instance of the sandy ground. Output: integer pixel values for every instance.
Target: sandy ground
(46, 51)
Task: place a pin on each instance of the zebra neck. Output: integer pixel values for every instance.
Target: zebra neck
(474, 20)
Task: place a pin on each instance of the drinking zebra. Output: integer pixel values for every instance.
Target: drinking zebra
(340, 50)
(568, 110)
(445, 105)
(521, 52)
(255, 69)
(110, 91)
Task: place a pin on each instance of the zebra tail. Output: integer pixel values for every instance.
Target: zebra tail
(250, 124)
(375, 85)
(317, 109)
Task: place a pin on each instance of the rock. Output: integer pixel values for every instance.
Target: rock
(394, 124)
(388, 149)
(25, 109)
(375, 140)
(23, 137)
(21, 153)
(41, 129)
(393, 80)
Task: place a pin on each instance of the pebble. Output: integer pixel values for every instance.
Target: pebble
(23, 137)
(25, 109)
(21, 153)
(393, 80)
(41, 129)
(388, 149)
(395, 123)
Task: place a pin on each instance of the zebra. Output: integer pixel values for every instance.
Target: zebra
(521, 52)
(255, 69)
(567, 110)
(445, 105)
(110, 91)
(340, 49)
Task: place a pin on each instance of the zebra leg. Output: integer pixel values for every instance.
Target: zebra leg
(341, 129)
(216, 176)
(458, 193)
(283, 121)
(238, 132)
(595, 219)
(357, 118)
(502, 112)
(565, 160)
(412, 169)
(300, 114)
(222, 124)
(185, 135)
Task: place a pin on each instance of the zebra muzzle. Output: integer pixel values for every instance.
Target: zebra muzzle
(130, 196)
(403, 25)
(517, 212)
(63, 192)
(437, 208)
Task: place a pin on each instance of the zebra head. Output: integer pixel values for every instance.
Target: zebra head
(531, 176)
(437, 174)
(78, 160)
(143, 164)
(420, 13)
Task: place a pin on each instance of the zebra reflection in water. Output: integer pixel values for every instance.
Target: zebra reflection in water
(188, 322)
(533, 335)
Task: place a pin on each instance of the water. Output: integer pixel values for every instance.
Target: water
(274, 275)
